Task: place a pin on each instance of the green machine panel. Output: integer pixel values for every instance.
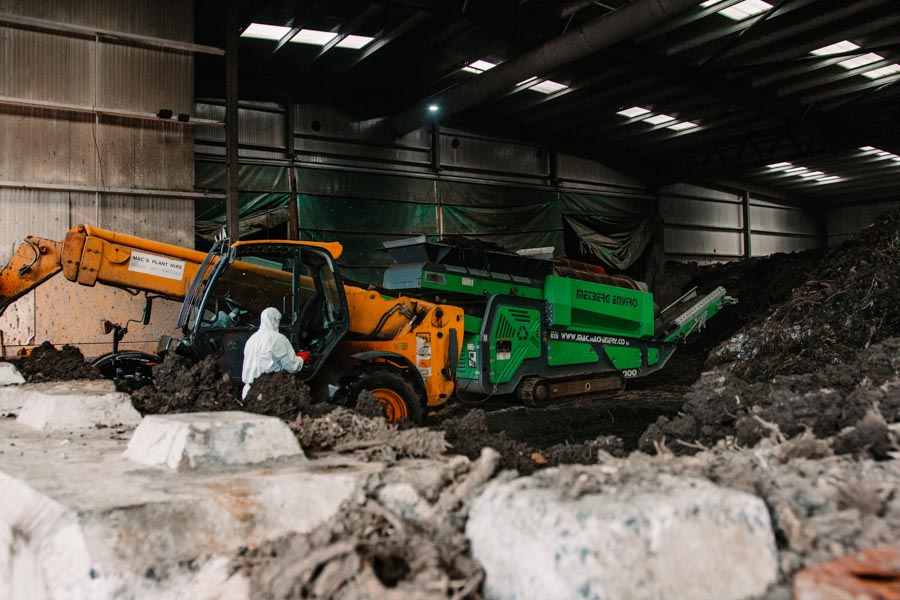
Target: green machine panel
(598, 308)
(625, 358)
(515, 337)
(570, 353)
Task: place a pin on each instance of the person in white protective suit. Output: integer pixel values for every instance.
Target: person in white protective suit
(268, 351)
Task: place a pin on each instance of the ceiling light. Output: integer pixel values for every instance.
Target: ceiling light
(829, 179)
(313, 36)
(433, 108)
(634, 111)
(779, 165)
(745, 9)
(837, 48)
(265, 32)
(479, 66)
(882, 72)
(355, 42)
(709, 3)
(796, 170)
(812, 174)
(860, 61)
(682, 126)
(867, 148)
(659, 119)
(548, 87)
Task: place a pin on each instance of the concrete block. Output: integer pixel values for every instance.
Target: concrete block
(666, 537)
(73, 405)
(79, 520)
(191, 440)
(9, 374)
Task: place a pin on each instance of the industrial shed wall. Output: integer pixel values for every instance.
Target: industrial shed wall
(844, 221)
(62, 167)
(707, 225)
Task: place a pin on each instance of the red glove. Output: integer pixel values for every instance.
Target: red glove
(304, 355)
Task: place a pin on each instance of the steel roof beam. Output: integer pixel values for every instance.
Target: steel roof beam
(613, 28)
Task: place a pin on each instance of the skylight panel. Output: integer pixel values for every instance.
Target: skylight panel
(709, 3)
(682, 126)
(882, 72)
(745, 9)
(548, 87)
(355, 42)
(262, 31)
(313, 36)
(479, 66)
(634, 111)
(659, 119)
(860, 61)
(779, 165)
(838, 48)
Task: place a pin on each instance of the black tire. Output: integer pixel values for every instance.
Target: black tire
(389, 385)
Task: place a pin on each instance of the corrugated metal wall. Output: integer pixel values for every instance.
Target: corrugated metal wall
(707, 225)
(325, 137)
(81, 155)
(844, 221)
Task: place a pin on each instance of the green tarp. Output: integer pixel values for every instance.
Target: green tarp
(362, 210)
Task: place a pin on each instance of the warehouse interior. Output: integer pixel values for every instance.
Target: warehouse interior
(747, 145)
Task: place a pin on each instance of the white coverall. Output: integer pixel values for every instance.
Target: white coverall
(268, 351)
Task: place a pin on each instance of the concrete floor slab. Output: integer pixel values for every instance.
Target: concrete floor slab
(211, 439)
(66, 405)
(80, 520)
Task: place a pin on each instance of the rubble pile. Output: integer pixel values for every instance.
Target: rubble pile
(47, 363)
(182, 386)
(395, 540)
(822, 506)
(847, 301)
(853, 402)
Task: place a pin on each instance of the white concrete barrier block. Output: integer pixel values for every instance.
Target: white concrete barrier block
(191, 440)
(665, 538)
(73, 405)
(9, 374)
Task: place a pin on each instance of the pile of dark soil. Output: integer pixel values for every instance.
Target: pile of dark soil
(845, 302)
(375, 548)
(182, 386)
(46, 363)
(469, 433)
(759, 284)
(852, 401)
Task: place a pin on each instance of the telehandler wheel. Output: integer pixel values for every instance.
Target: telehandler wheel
(390, 386)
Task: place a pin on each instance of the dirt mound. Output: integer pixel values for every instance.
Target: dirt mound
(853, 401)
(375, 549)
(46, 363)
(759, 284)
(848, 301)
(471, 432)
(182, 386)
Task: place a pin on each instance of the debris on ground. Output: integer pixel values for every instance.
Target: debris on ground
(47, 363)
(847, 302)
(390, 543)
(368, 437)
(469, 433)
(854, 402)
(822, 506)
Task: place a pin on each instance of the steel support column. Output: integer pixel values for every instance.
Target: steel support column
(745, 206)
(232, 200)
